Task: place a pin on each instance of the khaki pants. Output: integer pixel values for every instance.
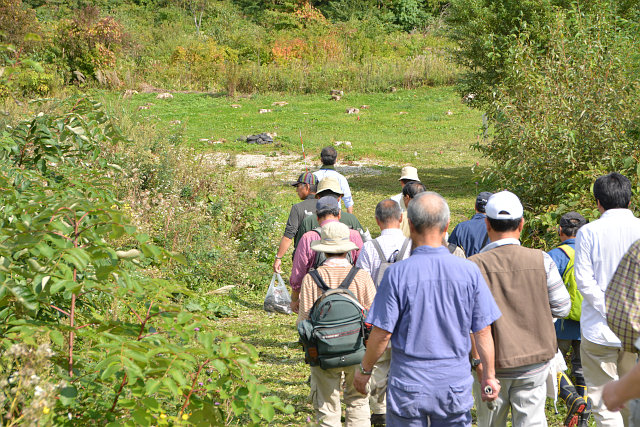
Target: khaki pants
(378, 383)
(325, 396)
(482, 410)
(525, 397)
(602, 364)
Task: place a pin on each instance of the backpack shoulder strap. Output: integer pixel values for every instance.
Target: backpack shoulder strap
(347, 280)
(568, 251)
(316, 278)
(452, 247)
(376, 245)
(403, 249)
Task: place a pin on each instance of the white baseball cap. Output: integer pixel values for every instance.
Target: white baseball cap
(409, 173)
(504, 205)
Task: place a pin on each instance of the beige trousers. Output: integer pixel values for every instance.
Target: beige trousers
(482, 410)
(325, 396)
(602, 364)
(525, 397)
(378, 383)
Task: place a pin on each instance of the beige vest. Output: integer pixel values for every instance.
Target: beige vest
(516, 276)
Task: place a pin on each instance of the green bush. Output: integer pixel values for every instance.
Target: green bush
(85, 314)
(564, 117)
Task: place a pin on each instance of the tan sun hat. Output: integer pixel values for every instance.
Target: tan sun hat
(329, 184)
(334, 239)
(410, 173)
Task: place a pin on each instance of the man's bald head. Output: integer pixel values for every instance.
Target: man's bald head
(428, 210)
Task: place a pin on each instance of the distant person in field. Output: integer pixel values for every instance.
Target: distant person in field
(408, 174)
(572, 392)
(328, 156)
(391, 246)
(327, 384)
(305, 258)
(600, 245)
(409, 191)
(529, 292)
(330, 187)
(306, 186)
(471, 235)
(425, 306)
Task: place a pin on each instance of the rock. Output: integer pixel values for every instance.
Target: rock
(143, 107)
(345, 143)
(204, 140)
(261, 138)
(352, 110)
(264, 110)
(335, 98)
(449, 112)
(280, 103)
(364, 107)
(236, 105)
(468, 97)
(79, 76)
(220, 141)
(393, 89)
(175, 122)
(129, 93)
(272, 134)
(403, 112)
(336, 92)
(165, 95)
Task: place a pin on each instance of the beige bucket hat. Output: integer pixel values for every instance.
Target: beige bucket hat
(334, 239)
(409, 172)
(329, 184)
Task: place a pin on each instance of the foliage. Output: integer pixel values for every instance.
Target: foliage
(485, 31)
(16, 21)
(564, 117)
(76, 277)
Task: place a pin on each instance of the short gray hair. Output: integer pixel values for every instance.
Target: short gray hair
(388, 210)
(425, 214)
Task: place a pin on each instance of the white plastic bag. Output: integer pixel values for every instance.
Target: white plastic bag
(278, 299)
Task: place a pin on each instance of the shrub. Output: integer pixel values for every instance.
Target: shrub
(566, 116)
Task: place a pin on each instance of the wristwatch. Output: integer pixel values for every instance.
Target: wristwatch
(475, 363)
(278, 257)
(364, 371)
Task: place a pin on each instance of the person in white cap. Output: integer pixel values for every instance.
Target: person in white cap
(326, 384)
(408, 174)
(529, 292)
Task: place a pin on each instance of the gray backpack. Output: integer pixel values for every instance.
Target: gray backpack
(397, 255)
(334, 335)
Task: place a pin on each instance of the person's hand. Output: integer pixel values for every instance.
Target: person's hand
(295, 305)
(360, 381)
(611, 398)
(277, 266)
(495, 387)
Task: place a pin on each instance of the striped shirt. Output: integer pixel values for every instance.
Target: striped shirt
(333, 272)
(559, 302)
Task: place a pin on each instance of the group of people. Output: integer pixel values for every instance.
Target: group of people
(473, 310)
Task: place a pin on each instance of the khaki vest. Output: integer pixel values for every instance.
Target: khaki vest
(524, 334)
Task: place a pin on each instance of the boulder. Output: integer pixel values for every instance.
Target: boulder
(352, 110)
(336, 92)
(335, 98)
(280, 103)
(264, 110)
(261, 138)
(165, 95)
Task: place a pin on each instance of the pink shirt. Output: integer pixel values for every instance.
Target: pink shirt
(304, 257)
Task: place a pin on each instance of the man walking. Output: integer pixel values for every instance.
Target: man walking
(408, 174)
(306, 187)
(426, 305)
(329, 187)
(390, 247)
(409, 191)
(529, 292)
(600, 245)
(328, 156)
(471, 235)
(326, 383)
(304, 259)
(573, 393)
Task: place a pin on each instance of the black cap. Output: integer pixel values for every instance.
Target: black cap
(481, 200)
(571, 220)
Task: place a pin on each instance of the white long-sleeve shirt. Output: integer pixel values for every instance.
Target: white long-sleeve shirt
(600, 245)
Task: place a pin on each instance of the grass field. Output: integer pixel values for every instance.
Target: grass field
(435, 136)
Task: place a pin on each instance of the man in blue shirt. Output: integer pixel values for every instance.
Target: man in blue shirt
(426, 306)
(471, 235)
